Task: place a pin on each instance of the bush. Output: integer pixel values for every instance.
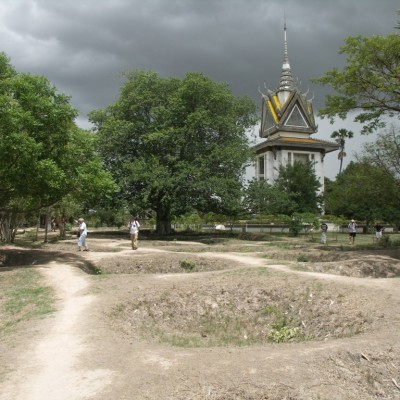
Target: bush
(284, 334)
(188, 265)
(68, 227)
(385, 241)
(295, 226)
(302, 258)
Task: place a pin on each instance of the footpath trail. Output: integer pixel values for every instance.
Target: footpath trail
(49, 368)
(75, 357)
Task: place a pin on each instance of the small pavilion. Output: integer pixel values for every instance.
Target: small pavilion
(287, 123)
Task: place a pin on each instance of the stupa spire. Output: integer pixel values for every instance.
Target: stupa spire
(286, 83)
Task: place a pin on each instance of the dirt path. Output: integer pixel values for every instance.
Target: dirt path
(75, 356)
(49, 369)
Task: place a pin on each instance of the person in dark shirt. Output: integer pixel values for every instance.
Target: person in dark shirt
(378, 231)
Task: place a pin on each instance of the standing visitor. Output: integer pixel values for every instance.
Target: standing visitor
(53, 224)
(378, 231)
(82, 233)
(352, 231)
(134, 232)
(324, 229)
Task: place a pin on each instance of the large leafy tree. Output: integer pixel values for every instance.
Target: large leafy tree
(368, 85)
(43, 155)
(176, 145)
(301, 184)
(341, 135)
(384, 152)
(364, 191)
(263, 198)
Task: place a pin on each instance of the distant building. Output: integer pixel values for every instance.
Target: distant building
(287, 123)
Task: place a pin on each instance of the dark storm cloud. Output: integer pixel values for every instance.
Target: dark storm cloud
(82, 46)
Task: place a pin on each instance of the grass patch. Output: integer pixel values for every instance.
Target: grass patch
(23, 297)
(188, 265)
(242, 308)
(97, 271)
(303, 258)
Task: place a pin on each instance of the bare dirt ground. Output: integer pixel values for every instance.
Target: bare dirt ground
(220, 319)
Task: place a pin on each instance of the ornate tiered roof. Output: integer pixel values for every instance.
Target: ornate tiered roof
(287, 116)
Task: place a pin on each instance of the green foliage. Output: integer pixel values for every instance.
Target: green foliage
(282, 218)
(261, 197)
(284, 334)
(302, 222)
(364, 191)
(341, 135)
(24, 298)
(301, 184)
(43, 155)
(191, 218)
(384, 153)
(385, 241)
(368, 83)
(176, 145)
(295, 226)
(35, 128)
(188, 265)
(97, 271)
(115, 213)
(280, 329)
(303, 258)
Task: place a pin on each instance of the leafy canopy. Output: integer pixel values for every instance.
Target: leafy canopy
(176, 145)
(43, 155)
(301, 184)
(384, 153)
(35, 126)
(340, 136)
(369, 84)
(263, 198)
(365, 192)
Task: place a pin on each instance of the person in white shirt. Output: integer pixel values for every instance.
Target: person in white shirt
(82, 233)
(134, 227)
(352, 231)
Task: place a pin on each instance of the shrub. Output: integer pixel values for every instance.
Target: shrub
(302, 258)
(385, 241)
(68, 227)
(284, 334)
(295, 226)
(188, 265)
(280, 330)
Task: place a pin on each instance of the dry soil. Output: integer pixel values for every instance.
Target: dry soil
(221, 319)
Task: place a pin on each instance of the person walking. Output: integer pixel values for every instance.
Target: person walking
(324, 229)
(352, 231)
(134, 227)
(82, 233)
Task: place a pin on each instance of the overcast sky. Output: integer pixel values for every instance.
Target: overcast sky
(82, 46)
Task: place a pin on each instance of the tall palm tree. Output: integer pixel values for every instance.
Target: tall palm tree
(340, 137)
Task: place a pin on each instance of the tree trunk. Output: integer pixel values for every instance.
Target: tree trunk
(37, 227)
(9, 223)
(61, 224)
(5, 227)
(46, 225)
(163, 227)
(163, 223)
